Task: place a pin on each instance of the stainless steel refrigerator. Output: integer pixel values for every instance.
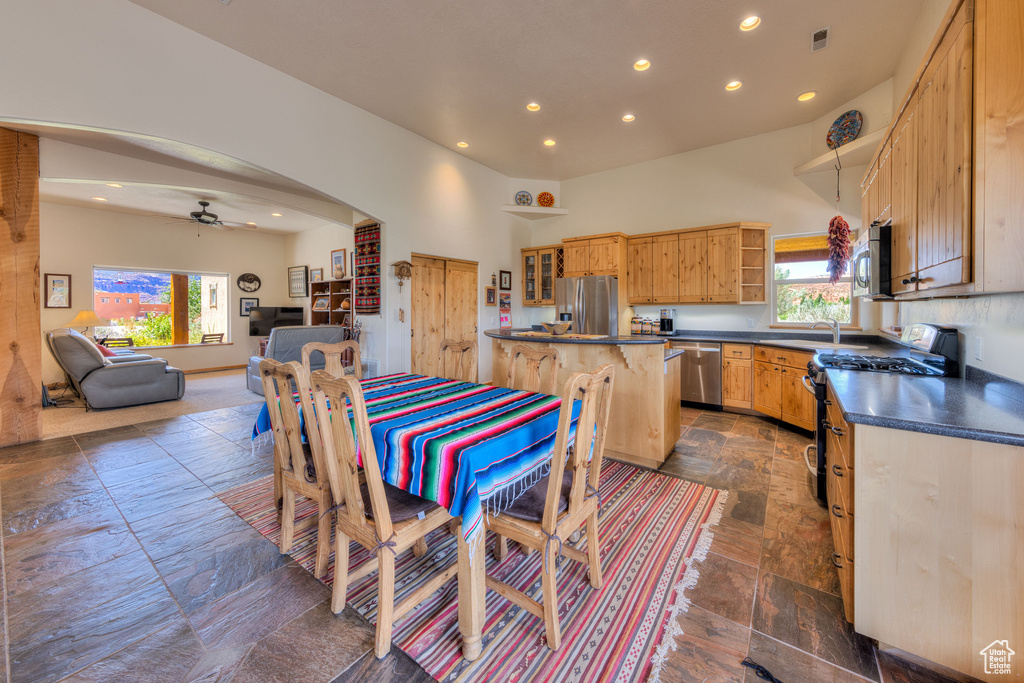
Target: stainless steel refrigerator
(591, 303)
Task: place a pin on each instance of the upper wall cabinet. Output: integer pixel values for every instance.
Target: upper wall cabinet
(948, 172)
(541, 267)
(594, 255)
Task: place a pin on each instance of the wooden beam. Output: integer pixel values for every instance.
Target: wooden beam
(179, 308)
(20, 337)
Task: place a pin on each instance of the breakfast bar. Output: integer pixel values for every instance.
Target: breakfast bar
(644, 423)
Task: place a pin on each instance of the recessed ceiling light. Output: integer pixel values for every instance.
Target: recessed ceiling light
(113, 184)
(628, 118)
(750, 23)
(251, 223)
(549, 142)
(804, 96)
(100, 199)
(533, 106)
(733, 85)
(641, 65)
(462, 144)
(276, 215)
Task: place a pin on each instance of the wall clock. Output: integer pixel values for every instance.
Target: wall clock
(249, 282)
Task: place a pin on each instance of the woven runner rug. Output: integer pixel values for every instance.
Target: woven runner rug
(367, 267)
(653, 528)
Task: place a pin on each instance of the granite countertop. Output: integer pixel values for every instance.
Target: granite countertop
(510, 335)
(980, 406)
(873, 342)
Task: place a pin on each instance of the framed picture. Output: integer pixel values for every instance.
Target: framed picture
(492, 296)
(505, 301)
(316, 275)
(56, 290)
(505, 278)
(506, 319)
(298, 281)
(244, 304)
(338, 264)
(322, 303)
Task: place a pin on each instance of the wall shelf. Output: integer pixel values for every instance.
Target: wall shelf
(856, 153)
(534, 212)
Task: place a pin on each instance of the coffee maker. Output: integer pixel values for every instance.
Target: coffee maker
(668, 321)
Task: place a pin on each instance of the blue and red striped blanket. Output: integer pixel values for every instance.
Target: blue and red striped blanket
(468, 447)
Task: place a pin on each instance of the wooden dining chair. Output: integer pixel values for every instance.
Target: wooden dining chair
(382, 518)
(544, 516)
(532, 378)
(335, 355)
(298, 467)
(457, 360)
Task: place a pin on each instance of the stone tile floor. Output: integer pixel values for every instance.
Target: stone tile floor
(120, 564)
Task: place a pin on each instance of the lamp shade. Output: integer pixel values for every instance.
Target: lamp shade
(88, 319)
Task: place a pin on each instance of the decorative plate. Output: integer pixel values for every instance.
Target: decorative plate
(845, 129)
(546, 199)
(524, 198)
(249, 282)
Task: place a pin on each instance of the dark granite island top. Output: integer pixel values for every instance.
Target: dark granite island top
(510, 335)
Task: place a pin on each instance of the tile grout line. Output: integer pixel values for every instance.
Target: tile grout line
(814, 656)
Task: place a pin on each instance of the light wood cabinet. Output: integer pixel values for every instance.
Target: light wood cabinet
(797, 402)
(665, 249)
(541, 267)
(604, 256)
(779, 389)
(693, 266)
(768, 389)
(723, 265)
(903, 159)
(577, 258)
(737, 376)
(640, 270)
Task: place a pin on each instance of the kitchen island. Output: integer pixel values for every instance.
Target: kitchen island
(644, 422)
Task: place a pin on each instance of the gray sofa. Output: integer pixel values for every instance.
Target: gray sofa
(286, 345)
(125, 380)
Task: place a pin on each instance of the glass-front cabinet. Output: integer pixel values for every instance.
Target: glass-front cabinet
(541, 267)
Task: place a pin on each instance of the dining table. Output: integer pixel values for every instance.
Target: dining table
(471, 448)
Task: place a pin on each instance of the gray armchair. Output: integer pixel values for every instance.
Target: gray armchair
(286, 345)
(113, 382)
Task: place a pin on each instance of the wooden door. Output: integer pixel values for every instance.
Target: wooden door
(428, 313)
(723, 265)
(944, 163)
(737, 383)
(797, 403)
(666, 269)
(460, 300)
(639, 271)
(903, 160)
(604, 256)
(576, 257)
(530, 277)
(768, 389)
(693, 266)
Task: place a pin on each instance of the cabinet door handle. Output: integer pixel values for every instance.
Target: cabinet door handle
(837, 431)
(837, 470)
(837, 511)
(828, 402)
(835, 560)
(826, 424)
(911, 280)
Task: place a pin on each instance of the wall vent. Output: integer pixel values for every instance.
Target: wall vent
(371, 368)
(819, 38)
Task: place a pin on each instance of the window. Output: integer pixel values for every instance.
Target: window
(802, 293)
(147, 315)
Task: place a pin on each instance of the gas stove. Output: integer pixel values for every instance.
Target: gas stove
(905, 366)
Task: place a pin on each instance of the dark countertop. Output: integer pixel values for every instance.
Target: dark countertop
(980, 406)
(557, 339)
(754, 337)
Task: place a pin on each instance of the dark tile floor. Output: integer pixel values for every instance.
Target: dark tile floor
(121, 564)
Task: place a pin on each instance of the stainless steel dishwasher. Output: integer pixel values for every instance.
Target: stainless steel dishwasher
(700, 372)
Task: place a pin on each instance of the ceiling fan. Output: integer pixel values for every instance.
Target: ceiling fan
(204, 217)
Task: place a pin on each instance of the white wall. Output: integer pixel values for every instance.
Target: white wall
(916, 43)
(73, 240)
(431, 199)
(313, 248)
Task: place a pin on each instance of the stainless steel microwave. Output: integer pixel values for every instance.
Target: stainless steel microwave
(872, 262)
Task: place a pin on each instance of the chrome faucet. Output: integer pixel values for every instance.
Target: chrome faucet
(835, 328)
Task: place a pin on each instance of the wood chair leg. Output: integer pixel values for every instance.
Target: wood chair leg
(552, 628)
(385, 602)
(287, 520)
(594, 551)
(340, 591)
(323, 539)
(277, 491)
(500, 547)
(419, 549)
(527, 550)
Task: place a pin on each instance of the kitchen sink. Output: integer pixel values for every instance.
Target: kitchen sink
(808, 344)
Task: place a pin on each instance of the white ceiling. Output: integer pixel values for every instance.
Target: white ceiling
(465, 69)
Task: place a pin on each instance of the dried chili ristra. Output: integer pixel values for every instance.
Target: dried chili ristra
(838, 248)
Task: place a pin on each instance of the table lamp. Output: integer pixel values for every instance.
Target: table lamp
(87, 319)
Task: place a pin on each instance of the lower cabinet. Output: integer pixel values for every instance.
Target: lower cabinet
(768, 389)
(839, 487)
(737, 376)
(779, 389)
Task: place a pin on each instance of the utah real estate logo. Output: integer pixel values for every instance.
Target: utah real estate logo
(997, 657)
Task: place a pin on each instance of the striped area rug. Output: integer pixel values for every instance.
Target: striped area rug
(653, 528)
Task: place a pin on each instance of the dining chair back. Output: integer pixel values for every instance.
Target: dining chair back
(458, 360)
(382, 518)
(336, 355)
(546, 515)
(299, 468)
(532, 377)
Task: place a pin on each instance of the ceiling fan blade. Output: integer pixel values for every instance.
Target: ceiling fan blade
(231, 225)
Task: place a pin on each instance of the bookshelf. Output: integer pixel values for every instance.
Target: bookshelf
(335, 303)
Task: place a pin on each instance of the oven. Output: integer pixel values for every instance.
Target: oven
(814, 454)
(872, 262)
